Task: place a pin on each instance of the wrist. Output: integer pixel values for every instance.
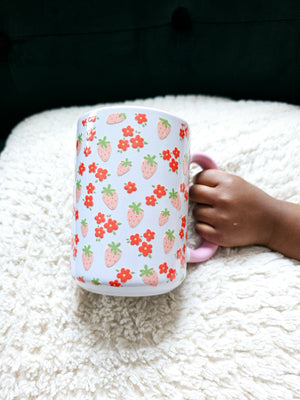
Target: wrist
(273, 216)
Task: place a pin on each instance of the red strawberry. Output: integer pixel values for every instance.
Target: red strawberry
(163, 128)
(104, 148)
(148, 166)
(149, 276)
(84, 227)
(134, 214)
(168, 240)
(175, 199)
(78, 190)
(163, 217)
(110, 197)
(123, 167)
(87, 257)
(115, 118)
(112, 254)
(78, 143)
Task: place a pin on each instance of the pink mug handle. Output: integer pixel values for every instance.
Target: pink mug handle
(207, 249)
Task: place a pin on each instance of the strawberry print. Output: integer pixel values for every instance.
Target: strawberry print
(175, 199)
(168, 240)
(123, 167)
(104, 148)
(134, 214)
(163, 128)
(149, 276)
(115, 118)
(78, 190)
(163, 217)
(84, 227)
(87, 257)
(110, 197)
(112, 254)
(78, 143)
(149, 166)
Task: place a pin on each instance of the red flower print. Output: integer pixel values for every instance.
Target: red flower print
(137, 142)
(176, 152)
(124, 275)
(128, 131)
(159, 191)
(88, 201)
(101, 174)
(183, 249)
(151, 200)
(123, 144)
(182, 261)
(186, 195)
(181, 233)
(100, 218)
(182, 187)
(163, 268)
(182, 133)
(91, 134)
(187, 132)
(135, 239)
(90, 188)
(111, 225)
(80, 279)
(81, 169)
(87, 151)
(183, 222)
(92, 167)
(84, 122)
(149, 235)
(76, 239)
(92, 119)
(179, 254)
(172, 274)
(166, 155)
(141, 118)
(130, 187)
(115, 283)
(99, 232)
(76, 214)
(145, 249)
(74, 252)
(173, 165)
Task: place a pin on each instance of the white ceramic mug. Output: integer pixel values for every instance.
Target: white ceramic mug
(129, 227)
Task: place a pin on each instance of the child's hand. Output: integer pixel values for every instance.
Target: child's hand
(230, 211)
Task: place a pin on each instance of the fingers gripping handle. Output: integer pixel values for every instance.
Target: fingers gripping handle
(207, 249)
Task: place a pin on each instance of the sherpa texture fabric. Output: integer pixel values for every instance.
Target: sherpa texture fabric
(230, 331)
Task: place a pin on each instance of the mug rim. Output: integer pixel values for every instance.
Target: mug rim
(132, 107)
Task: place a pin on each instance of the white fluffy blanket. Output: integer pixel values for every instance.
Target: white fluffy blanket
(230, 331)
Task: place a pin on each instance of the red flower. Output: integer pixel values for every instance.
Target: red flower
(182, 133)
(135, 239)
(76, 214)
(187, 132)
(179, 254)
(123, 144)
(111, 225)
(181, 233)
(173, 165)
(130, 187)
(137, 142)
(92, 119)
(124, 275)
(99, 232)
(76, 239)
(90, 188)
(88, 201)
(163, 268)
(74, 252)
(92, 167)
(90, 134)
(159, 191)
(81, 169)
(115, 283)
(141, 118)
(80, 279)
(101, 174)
(87, 151)
(100, 218)
(176, 152)
(172, 274)
(128, 131)
(149, 235)
(183, 222)
(166, 155)
(182, 187)
(150, 200)
(145, 249)
(84, 122)
(183, 249)
(186, 195)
